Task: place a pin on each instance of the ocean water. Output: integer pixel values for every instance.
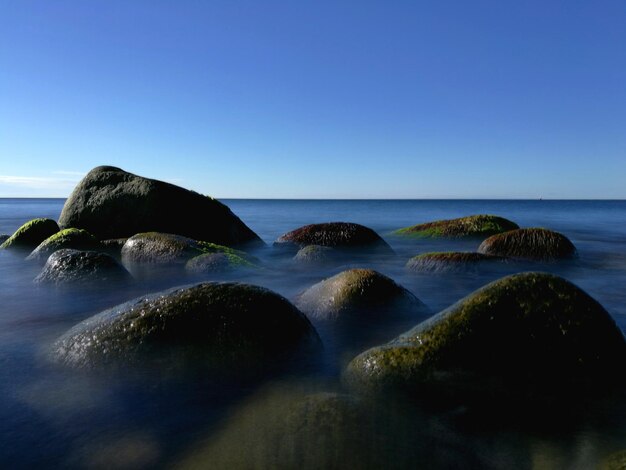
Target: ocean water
(58, 418)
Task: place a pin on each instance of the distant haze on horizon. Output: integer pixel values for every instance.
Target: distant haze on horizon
(317, 100)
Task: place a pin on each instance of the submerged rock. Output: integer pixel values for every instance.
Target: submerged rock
(229, 327)
(314, 254)
(464, 227)
(69, 238)
(216, 262)
(287, 429)
(356, 294)
(31, 234)
(166, 248)
(113, 246)
(112, 203)
(529, 334)
(448, 261)
(334, 234)
(529, 243)
(81, 267)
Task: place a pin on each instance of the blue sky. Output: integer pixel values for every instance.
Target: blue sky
(295, 99)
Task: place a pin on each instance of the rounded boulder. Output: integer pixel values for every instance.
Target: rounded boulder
(529, 243)
(231, 327)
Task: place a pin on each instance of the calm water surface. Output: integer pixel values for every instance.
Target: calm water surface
(58, 418)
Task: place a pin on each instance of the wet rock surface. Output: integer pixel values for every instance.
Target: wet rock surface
(227, 327)
(529, 243)
(72, 238)
(112, 203)
(73, 267)
(166, 248)
(528, 334)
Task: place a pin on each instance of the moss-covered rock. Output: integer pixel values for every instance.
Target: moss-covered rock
(530, 333)
(529, 243)
(357, 294)
(31, 234)
(287, 429)
(81, 267)
(166, 248)
(315, 254)
(473, 226)
(334, 234)
(230, 327)
(217, 262)
(448, 261)
(112, 203)
(73, 238)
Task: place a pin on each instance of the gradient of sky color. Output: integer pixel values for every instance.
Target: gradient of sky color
(298, 99)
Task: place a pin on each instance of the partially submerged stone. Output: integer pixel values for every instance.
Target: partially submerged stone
(208, 263)
(112, 203)
(73, 238)
(314, 254)
(448, 261)
(229, 327)
(285, 428)
(357, 294)
(166, 248)
(113, 246)
(529, 243)
(333, 234)
(528, 334)
(74, 267)
(31, 234)
(473, 226)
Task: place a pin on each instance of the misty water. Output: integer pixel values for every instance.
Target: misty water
(50, 416)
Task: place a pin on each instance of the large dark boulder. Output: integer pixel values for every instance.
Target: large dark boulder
(357, 294)
(74, 267)
(76, 239)
(229, 327)
(112, 203)
(473, 226)
(31, 234)
(166, 248)
(449, 261)
(530, 334)
(334, 234)
(529, 243)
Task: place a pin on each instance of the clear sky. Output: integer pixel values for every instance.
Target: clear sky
(337, 99)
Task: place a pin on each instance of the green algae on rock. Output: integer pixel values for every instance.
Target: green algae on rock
(526, 333)
(74, 267)
(112, 203)
(31, 234)
(333, 234)
(230, 327)
(356, 293)
(73, 238)
(529, 243)
(167, 248)
(448, 261)
(473, 226)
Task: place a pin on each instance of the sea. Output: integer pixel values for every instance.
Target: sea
(56, 418)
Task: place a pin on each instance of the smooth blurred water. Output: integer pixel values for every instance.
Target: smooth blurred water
(51, 417)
